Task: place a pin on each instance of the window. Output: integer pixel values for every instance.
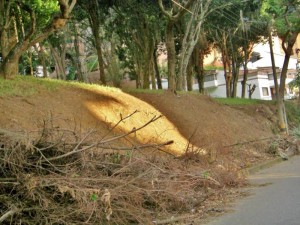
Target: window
(265, 91)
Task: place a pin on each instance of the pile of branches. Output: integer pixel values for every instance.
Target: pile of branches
(62, 177)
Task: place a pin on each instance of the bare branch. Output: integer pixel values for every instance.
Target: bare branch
(28, 9)
(75, 150)
(164, 11)
(121, 120)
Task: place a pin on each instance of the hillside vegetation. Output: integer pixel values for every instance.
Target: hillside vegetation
(124, 158)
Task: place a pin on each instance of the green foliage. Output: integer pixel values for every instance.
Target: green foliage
(285, 13)
(296, 82)
(94, 197)
(71, 75)
(296, 132)
(92, 63)
(293, 113)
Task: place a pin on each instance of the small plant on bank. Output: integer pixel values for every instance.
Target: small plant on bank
(273, 148)
(296, 132)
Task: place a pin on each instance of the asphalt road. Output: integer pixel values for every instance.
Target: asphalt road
(275, 202)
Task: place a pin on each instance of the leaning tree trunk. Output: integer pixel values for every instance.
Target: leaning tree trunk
(9, 66)
(288, 52)
(273, 65)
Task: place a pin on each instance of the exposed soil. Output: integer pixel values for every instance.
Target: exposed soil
(229, 138)
(187, 118)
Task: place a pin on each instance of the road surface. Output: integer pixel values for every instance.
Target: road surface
(275, 202)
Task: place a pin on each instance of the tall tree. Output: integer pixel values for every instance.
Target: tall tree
(96, 18)
(173, 15)
(195, 19)
(41, 18)
(138, 29)
(286, 15)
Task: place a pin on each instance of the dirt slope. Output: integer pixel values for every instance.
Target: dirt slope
(208, 126)
(187, 118)
(206, 122)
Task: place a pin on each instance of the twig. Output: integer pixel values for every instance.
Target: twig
(138, 146)
(153, 119)
(11, 212)
(247, 142)
(74, 151)
(84, 138)
(45, 158)
(121, 120)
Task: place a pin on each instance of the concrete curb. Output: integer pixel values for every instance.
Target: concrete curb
(256, 168)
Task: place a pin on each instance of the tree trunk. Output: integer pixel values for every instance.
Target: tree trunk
(229, 80)
(157, 75)
(273, 67)
(152, 72)
(100, 56)
(288, 52)
(59, 63)
(171, 52)
(78, 61)
(189, 76)
(191, 37)
(148, 61)
(170, 45)
(245, 75)
(12, 50)
(245, 78)
(9, 69)
(281, 115)
(198, 57)
(30, 62)
(235, 77)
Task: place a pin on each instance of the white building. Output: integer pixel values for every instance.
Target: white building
(262, 78)
(260, 74)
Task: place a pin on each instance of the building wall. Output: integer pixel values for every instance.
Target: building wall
(261, 80)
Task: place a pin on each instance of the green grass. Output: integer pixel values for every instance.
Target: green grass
(296, 132)
(145, 91)
(293, 113)
(213, 67)
(239, 101)
(26, 86)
